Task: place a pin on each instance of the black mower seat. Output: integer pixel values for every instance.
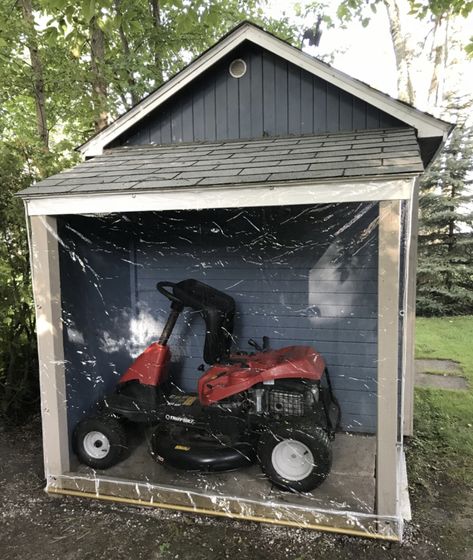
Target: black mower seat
(218, 312)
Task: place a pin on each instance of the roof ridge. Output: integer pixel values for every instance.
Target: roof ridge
(230, 141)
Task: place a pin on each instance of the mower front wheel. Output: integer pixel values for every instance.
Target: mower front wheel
(100, 442)
(296, 458)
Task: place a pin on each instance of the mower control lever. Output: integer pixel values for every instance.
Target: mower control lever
(255, 345)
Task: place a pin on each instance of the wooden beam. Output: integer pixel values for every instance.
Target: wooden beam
(410, 313)
(388, 361)
(196, 198)
(49, 330)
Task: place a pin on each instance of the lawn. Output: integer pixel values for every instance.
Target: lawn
(447, 337)
(443, 422)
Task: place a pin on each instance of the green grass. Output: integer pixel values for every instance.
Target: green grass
(447, 338)
(443, 419)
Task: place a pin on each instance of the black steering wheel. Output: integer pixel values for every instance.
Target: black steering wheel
(162, 287)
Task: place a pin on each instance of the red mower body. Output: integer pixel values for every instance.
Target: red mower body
(291, 362)
(150, 368)
(224, 380)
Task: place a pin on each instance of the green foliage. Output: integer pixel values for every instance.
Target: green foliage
(141, 50)
(445, 272)
(18, 367)
(443, 9)
(439, 8)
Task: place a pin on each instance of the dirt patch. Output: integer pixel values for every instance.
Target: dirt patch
(431, 366)
(447, 376)
(439, 381)
(37, 526)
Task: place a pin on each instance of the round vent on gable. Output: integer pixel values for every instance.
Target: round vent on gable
(237, 68)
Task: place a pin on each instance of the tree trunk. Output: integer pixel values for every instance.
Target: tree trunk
(99, 83)
(126, 51)
(38, 75)
(439, 60)
(402, 53)
(156, 16)
(450, 248)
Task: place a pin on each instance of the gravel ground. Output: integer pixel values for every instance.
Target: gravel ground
(37, 526)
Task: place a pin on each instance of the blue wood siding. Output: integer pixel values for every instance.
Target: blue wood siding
(300, 275)
(273, 98)
(96, 304)
(297, 275)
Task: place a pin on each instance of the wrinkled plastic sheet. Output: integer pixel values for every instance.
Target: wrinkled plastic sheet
(300, 275)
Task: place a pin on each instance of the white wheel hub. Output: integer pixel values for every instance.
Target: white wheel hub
(96, 445)
(292, 460)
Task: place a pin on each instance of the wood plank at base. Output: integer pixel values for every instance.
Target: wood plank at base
(131, 492)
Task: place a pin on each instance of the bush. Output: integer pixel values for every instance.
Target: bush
(18, 360)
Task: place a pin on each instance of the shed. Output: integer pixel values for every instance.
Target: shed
(264, 172)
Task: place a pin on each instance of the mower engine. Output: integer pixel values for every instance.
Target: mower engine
(285, 403)
(285, 398)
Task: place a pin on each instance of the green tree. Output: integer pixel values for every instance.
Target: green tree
(445, 271)
(67, 68)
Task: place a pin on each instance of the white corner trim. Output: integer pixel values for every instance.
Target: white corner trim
(409, 307)
(44, 255)
(389, 238)
(404, 499)
(220, 197)
(426, 125)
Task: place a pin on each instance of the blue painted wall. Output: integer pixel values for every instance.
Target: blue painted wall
(274, 98)
(96, 302)
(300, 275)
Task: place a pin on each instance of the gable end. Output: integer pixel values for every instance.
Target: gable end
(273, 98)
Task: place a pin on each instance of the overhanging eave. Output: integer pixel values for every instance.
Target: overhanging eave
(399, 188)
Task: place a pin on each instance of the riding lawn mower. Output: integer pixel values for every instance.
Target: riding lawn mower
(274, 407)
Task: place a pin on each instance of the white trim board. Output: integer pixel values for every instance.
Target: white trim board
(387, 458)
(44, 255)
(220, 197)
(426, 125)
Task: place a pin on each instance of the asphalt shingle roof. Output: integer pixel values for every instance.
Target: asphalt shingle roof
(372, 153)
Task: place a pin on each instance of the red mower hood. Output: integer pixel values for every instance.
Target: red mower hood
(291, 362)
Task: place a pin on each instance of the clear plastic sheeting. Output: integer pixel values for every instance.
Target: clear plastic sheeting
(243, 362)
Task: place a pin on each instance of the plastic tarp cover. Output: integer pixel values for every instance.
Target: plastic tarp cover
(259, 436)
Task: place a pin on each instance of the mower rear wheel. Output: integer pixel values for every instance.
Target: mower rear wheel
(99, 442)
(296, 458)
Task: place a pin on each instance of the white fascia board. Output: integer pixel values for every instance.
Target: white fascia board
(425, 125)
(221, 197)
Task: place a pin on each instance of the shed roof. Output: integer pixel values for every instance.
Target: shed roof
(368, 153)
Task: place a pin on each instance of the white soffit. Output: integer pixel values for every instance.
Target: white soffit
(426, 125)
(230, 197)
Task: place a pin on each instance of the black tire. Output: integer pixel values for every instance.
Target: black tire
(307, 438)
(106, 435)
